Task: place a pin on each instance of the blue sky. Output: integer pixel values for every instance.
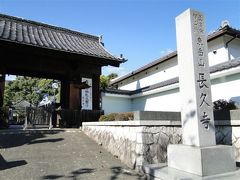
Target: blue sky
(141, 30)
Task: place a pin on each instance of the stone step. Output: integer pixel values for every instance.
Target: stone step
(163, 172)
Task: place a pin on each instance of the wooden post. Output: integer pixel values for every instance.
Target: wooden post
(26, 118)
(65, 93)
(74, 99)
(2, 86)
(96, 92)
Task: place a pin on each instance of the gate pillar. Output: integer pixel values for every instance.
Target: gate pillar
(2, 86)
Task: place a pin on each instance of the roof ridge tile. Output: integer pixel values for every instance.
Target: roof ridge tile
(39, 24)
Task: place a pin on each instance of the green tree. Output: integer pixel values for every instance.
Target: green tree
(112, 76)
(105, 80)
(27, 88)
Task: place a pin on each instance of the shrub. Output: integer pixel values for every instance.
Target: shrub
(117, 117)
(108, 117)
(222, 104)
(129, 115)
(124, 116)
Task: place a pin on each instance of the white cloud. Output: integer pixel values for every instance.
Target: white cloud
(166, 51)
(109, 69)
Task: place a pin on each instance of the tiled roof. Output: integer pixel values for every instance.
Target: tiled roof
(221, 31)
(147, 66)
(224, 30)
(225, 65)
(117, 91)
(217, 68)
(17, 30)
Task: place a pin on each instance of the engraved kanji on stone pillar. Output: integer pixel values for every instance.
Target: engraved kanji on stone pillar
(194, 80)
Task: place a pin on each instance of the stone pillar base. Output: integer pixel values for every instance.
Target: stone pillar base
(202, 161)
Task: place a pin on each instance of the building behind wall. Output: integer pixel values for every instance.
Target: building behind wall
(154, 87)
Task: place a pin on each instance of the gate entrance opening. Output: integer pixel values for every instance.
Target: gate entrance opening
(32, 101)
(35, 49)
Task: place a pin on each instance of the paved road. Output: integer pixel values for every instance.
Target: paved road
(57, 155)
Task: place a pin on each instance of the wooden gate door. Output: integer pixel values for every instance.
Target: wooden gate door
(37, 117)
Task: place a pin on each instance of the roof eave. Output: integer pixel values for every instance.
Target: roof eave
(148, 66)
(226, 30)
(104, 60)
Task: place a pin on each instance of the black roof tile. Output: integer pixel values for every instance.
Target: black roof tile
(117, 91)
(41, 35)
(225, 65)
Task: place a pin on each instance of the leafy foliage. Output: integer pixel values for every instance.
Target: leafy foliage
(105, 80)
(112, 76)
(222, 104)
(126, 116)
(108, 117)
(29, 89)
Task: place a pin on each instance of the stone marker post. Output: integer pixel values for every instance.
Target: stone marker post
(194, 80)
(199, 153)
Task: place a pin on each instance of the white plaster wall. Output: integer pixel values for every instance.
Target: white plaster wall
(139, 103)
(131, 86)
(169, 69)
(226, 87)
(221, 54)
(163, 101)
(116, 104)
(222, 88)
(163, 75)
(234, 49)
(159, 73)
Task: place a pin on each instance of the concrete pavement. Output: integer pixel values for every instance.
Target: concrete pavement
(57, 154)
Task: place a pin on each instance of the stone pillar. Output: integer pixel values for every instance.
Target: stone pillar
(199, 153)
(194, 80)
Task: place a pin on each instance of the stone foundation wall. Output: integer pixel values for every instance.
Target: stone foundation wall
(137, 143)
(120, 141)
(229, 135)
(154, 142)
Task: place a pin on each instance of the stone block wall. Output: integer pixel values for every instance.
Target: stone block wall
(120, 141)
(154, 141)
(229, 135)
(137, 144)
(134, 145)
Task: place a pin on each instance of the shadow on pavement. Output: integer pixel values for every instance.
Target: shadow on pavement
(10, 140)
(7, 165)
(52, 177)
(117, 173)
(74, 174)
(83, 171)
(46, 141)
